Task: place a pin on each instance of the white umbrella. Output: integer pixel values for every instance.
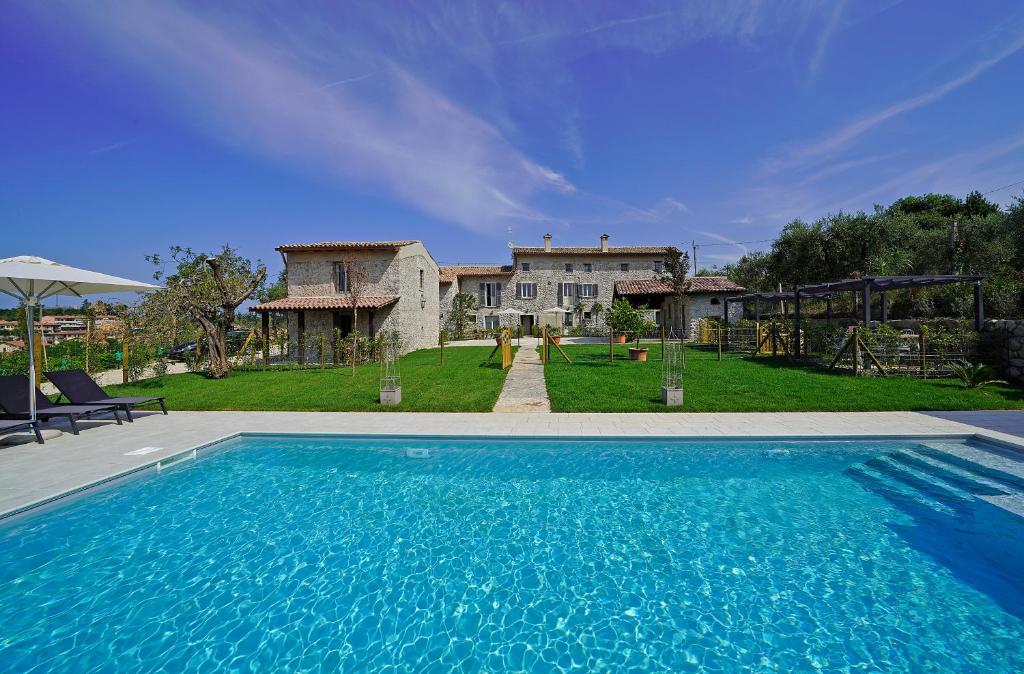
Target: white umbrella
(510, 312)
(32, 279)
(557, 310)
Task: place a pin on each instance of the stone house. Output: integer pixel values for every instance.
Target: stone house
(544, 285)
(395, 285)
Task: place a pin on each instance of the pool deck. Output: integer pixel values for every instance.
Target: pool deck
(31, 474)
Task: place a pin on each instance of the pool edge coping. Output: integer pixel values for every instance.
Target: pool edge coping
(177, 457)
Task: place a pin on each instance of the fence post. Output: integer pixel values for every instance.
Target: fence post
(922, 345)
(88, 340)
(856, 349)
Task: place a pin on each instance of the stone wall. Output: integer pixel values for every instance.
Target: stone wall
(1004, 341)
(548, 271)
(700, 306)
(409, 273)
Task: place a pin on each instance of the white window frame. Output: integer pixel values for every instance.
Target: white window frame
(493, 318)
(527, 291)
(492, 291)
(584, 295)
(567, 296)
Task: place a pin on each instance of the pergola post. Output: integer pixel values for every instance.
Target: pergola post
(725, 320)
(301, 336)
(796, 322)
(265, 326)
(865, 293)
(979, 306)
(885, 307)
(336, 337)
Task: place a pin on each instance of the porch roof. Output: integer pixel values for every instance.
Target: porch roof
(324, 303)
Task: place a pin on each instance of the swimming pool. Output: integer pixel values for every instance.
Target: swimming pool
(291, 553)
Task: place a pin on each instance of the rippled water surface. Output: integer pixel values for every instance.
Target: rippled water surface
(296, 555)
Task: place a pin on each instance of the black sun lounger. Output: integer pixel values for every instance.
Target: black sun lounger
(13, 426)
(79, 388)
(14, 400)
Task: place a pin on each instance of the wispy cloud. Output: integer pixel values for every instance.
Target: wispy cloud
(746, 220)
(110, 148)
(826, 35)
(825, 148)
(404, 137)
(743, 250)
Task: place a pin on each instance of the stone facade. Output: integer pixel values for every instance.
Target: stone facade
(408, 273)
(1006, 338)
(601, 267)
(705, 305)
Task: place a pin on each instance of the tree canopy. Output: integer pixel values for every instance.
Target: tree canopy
(928, 234)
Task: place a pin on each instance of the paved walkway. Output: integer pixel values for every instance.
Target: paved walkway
(30, 473)
(525, 390)
(1002, 421)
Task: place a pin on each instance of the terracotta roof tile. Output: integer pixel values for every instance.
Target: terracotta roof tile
(454, 271)
(345, 245)
(643, 286)
(693, 284)
(314, 303)
(712, 284)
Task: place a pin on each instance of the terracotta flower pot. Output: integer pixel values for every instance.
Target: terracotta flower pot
(556, 339)
(619, 339)
(637, 354)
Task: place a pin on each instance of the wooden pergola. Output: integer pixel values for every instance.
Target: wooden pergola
(883, 285)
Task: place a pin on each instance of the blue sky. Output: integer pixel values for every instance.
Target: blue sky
(129, 127)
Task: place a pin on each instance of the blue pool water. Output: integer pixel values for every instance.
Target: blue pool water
(306, 554)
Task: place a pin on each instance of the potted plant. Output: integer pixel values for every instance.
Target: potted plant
(619, 320)
(626, 319)
(555, 334)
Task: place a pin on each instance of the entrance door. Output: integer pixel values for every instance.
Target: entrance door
(343, 323)
(526, 320)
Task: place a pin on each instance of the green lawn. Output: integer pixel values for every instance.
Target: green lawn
(465, 384)
(737, 384)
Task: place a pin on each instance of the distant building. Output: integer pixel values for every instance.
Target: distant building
(404, 290)
(393, 286)
(546, 284)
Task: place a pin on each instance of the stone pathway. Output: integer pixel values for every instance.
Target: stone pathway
(524, 389)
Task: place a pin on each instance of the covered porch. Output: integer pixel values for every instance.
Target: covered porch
(320, 324)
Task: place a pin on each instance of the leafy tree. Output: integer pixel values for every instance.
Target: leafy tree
(463, 308)
(277, 290)
(626, 319)
(208, 289)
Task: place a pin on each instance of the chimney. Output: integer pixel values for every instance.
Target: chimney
(604, 243)
(547, 243)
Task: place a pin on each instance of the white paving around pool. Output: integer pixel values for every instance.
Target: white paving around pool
(33, 473)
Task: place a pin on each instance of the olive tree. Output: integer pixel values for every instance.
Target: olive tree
(208, 289)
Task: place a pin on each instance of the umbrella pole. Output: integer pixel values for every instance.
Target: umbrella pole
(31, 346)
